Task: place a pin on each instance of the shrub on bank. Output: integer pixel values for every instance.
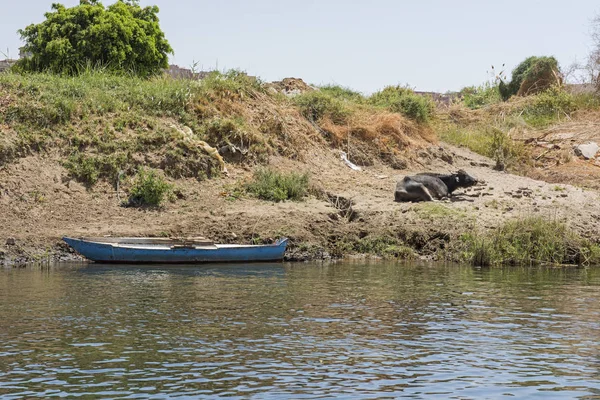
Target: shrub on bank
(530, 241)
(89, 168)
(277, 186)
(232, 85)
(315, 105)
(149, 189)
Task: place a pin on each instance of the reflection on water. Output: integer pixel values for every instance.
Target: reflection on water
(346, 330)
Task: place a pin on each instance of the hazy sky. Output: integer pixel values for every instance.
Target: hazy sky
(434, 45)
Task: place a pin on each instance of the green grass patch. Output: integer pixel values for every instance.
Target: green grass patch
(47, 100)
(272, 185)
(475, 97)
(103, 123)
(232, 84)
(404, 101)
(586, 101)
(89, 168)
(436, 210)
(385, 246)
(488, 141)
(530, 241)
(547, 107)
(342, 93)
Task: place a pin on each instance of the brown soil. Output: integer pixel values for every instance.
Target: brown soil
(39, 204)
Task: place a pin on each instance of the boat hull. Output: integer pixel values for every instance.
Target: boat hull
(128, 253)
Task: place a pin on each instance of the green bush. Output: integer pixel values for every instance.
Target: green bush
(549, 106)
(315, 105)
(222, 131)
(527, 241)
(276, 186)
(476, 97)
(342, 93)
(149, 188)
(403, 100)
(122, 37)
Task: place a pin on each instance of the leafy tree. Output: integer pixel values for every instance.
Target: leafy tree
(121, 37)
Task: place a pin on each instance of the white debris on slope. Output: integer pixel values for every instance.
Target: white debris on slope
(349, 163)
(587, 150)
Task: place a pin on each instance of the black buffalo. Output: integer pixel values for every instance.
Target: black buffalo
(431, 186)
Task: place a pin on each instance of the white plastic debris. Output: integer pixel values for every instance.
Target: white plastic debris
(349, 163)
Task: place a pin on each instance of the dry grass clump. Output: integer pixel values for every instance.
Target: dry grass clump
(381, 126)
(234, 109)
(381, 130)
(459, 114)
(370, 135)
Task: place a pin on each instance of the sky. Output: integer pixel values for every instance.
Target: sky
(430, 45)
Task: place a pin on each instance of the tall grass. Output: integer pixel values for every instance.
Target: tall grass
(486, 140)
(475, 97)
(47, 99)
(232, 84)
(530, 241)
(486, 131)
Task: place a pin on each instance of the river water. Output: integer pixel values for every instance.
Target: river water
(346, 330)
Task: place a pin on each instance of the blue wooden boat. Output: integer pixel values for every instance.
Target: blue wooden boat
(165, 250)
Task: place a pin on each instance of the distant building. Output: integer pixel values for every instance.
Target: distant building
(177, 72)
(6, 64)
(439, 98)
(9, 62)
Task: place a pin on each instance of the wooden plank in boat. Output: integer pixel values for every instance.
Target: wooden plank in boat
(150, 241)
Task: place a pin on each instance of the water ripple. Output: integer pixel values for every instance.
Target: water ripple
(307, 331)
